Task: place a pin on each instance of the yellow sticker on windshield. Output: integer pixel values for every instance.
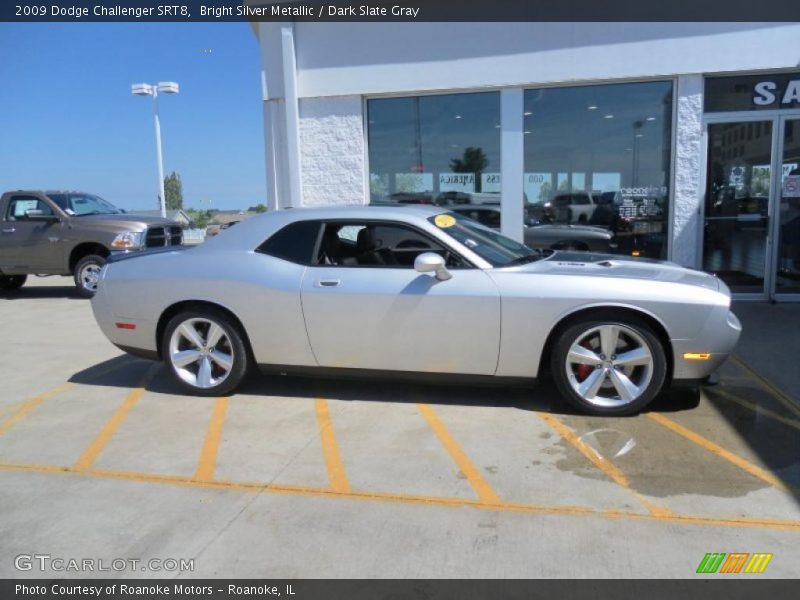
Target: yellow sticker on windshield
(444, 221)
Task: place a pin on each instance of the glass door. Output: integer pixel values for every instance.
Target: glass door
(787, 267)
(737, 204)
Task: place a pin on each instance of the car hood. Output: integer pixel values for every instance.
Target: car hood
(621, 267)
(125, 220)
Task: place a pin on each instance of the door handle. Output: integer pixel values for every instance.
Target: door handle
(328, 283)
(9, 230)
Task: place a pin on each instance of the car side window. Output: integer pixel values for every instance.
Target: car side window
(18, 205)
(371, 244)
(295, 242)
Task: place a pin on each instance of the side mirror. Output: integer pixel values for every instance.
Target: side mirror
(35, 214)
(430, 262)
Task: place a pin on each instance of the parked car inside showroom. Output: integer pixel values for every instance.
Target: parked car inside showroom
(416, 291)
(556, 236)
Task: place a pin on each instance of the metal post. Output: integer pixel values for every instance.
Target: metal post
(162, 199)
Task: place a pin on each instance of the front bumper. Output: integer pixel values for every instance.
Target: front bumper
(717, 339)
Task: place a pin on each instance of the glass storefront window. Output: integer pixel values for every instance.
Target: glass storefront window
(788, 277)
(597, 158)
(442, 149)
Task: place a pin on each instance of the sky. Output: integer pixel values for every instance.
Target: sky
(69, 121)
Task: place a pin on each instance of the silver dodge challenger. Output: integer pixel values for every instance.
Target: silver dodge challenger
(420, 292)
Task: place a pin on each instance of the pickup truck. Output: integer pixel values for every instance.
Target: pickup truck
(70, 233)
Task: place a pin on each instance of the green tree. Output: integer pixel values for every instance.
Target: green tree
(199, 218)
(258, 208)
(173, 191)
(472, 161)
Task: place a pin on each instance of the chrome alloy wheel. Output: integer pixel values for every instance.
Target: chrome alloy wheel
(201, 353)
(609, 365)
(89, 275)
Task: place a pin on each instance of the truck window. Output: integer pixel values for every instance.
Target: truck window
(19, 204)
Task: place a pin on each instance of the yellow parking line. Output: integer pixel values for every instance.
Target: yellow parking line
(485, 492)
(606, 466)
(447, 502)
(774, 390)
(86, 460)
(25, 405)
(732, 458)
(28, 406)
(756, 408)
(333, 460)
(208, 456)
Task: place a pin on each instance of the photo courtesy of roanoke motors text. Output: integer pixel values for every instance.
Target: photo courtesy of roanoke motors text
(385, 299)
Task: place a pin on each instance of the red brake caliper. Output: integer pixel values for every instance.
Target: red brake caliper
(582, 371)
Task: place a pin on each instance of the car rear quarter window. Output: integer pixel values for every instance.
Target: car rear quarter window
(294, 243)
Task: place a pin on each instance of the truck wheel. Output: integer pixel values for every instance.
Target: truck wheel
(87, 274)
(10, 283)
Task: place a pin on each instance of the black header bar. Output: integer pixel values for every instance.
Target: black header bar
(400, 10)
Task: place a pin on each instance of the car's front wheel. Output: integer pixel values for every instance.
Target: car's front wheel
(87, 274)
(609, 367)
(205, 352)
(11, 283)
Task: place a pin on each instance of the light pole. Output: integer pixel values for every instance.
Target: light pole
(145, 89)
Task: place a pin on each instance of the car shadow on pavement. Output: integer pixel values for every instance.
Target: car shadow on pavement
(125, 371)
(35, 292)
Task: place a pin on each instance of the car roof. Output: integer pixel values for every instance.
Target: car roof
(253, 231)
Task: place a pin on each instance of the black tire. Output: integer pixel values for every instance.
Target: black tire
(82, 281)
(11, 283)
(236, 347)
(560, 368)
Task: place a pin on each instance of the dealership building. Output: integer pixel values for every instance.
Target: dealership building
(682, 139)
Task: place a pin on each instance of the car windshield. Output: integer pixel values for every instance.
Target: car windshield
(79, 205)
(495, 248)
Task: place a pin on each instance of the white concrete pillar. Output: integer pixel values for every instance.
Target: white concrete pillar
(687, 208)
(512, 157)
(281, 128)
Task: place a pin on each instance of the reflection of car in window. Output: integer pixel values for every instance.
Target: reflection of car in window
(573, 208)
(550, 235)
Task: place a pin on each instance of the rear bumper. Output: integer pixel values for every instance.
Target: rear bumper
(138, 336)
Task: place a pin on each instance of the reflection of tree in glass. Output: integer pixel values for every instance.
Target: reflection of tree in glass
(545, 190)
(473, 161)
(379, 185)
(759, 184)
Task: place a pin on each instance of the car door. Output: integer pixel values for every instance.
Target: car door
(366, 307)
(27, 244)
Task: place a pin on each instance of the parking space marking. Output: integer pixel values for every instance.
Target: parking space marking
(606, 466)
(86, 460)
(756, 408)
(208, 456)
(330, 449)
(485, 492)
(717, 450)
(733, 522)
(28, 406)
(774, 390)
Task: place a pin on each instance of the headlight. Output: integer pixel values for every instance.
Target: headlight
(129, 240)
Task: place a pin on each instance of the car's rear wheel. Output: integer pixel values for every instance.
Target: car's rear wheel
(205, 352)
(87, 274)
(10, 283)
(609, 367)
